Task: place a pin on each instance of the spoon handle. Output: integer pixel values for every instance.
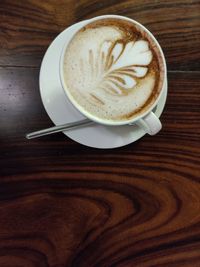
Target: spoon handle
(59, 128)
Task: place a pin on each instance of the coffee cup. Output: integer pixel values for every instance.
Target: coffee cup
(113, 71)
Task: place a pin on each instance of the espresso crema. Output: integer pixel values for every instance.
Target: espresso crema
(113, 70)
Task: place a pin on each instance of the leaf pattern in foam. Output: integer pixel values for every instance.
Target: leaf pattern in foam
(119, 65)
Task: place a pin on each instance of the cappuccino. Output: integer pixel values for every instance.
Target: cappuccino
(113, 70)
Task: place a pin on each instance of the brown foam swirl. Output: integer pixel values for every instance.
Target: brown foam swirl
(120, 68)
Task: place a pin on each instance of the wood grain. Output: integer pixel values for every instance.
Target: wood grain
(27, 27)
(63, 204)
(66, 205)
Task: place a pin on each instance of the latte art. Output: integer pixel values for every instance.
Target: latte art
(112, 70)
(117, 66)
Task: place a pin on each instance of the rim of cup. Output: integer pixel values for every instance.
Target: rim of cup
(82, 110)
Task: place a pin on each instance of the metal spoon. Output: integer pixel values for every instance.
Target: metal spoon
(59, 128)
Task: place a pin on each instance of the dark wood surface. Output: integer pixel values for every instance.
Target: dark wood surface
(66, 205)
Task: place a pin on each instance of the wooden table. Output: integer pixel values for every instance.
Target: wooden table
(66, 205)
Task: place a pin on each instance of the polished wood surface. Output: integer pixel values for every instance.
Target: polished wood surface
(66, 205)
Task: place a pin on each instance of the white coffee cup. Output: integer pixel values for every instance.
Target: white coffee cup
(148, 120)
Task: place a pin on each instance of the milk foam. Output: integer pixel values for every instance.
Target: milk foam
(110, 76)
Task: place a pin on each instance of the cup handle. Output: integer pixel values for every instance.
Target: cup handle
(150, 123)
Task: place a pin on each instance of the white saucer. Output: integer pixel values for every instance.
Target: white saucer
(61, 111)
